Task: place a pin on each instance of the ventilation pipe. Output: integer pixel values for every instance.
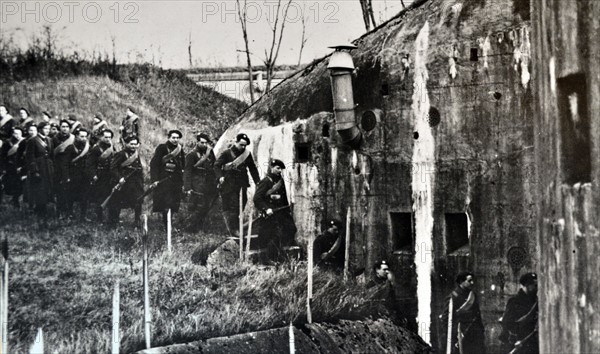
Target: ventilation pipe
(340, 68)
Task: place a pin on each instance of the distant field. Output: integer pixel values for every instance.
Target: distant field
(62, 280)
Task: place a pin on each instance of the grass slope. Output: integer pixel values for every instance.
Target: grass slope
(62, 280)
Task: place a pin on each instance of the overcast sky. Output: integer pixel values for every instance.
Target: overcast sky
(158, 30)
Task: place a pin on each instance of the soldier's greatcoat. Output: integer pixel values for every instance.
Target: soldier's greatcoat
(278, 230)
(10, 161)
(76, 156)
(167, 166)
(199, 177)
(40, 170)
(98, 164)
(127, 196)
(466, 318)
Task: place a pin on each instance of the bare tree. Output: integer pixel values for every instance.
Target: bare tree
(304, 38)
(190, 49)
(243, 16)
(367, 12)
(277, 30)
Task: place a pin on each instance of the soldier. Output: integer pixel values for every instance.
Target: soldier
(384, 286)
(46, 117)
(6, 124)
(98, 128)
(329, 248)
(130, 125)
(520, 318)
(199, 180)
(465, 323)
(54, 130)
(38, 160)
(76, 156)
(10, 166)
(166, 174)
(75, 124)
(277, 228)
(127, 181)
(61, 163)
(231, 169)
(26, 121)
(98, 167)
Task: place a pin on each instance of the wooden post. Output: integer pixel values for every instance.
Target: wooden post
(347, 246)
(449, 338)
(116, 339)
(249, 233)
(241, 234)
(5, 305)
(309, 270)
(169, 230)
(147, 314)
(292, 340)
(38, 344)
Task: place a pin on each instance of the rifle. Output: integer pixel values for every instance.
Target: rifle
(150, 189)
(518, 344)
(263, 215)
(116, 188)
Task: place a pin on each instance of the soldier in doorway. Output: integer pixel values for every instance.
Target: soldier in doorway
(277, 228)
(130, 125)
(78, 179)
(127, 182)
(10, 166)
(519, 321)
(98, 169)
(166, 174)
(61, 167)
(231, 169)
(199, 181)
(465, 322)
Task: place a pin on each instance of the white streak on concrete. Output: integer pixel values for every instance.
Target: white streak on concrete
(486, 47)
(422, 184)
(552, 72)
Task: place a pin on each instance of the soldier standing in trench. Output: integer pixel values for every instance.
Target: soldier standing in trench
(199, 181)
(466, 324)
(277, 228)
(329, 247)
(520, 318)
(231, 169)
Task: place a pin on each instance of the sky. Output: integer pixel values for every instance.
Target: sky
(158, 31)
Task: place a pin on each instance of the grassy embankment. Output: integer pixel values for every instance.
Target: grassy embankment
(62, 280)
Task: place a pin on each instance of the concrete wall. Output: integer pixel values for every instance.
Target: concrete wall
(454, 141)
(567, 102)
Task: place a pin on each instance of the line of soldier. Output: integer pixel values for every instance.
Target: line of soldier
(57, 162)
(80, 166)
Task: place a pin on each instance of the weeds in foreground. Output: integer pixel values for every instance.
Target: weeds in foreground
(62, 279)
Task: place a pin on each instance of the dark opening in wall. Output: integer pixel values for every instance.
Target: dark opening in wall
(325, 130)
(575, 147)
(457, 232)
(475, 54)
(402, 232)
(434, 118)
(368, 121)
(385, 89)
(302, 152)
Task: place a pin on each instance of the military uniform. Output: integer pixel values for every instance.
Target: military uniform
(61, 177)
(126, 165)
(199, 177)
(96, 131)
(98, 165)
(236, 180)
(466, 318)
(277, 231)
(10, 163)
(6, 126)
(79, 181)
(167, 166)
(323, 244)
(130, 126)
(520, 318)
(40, 173)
